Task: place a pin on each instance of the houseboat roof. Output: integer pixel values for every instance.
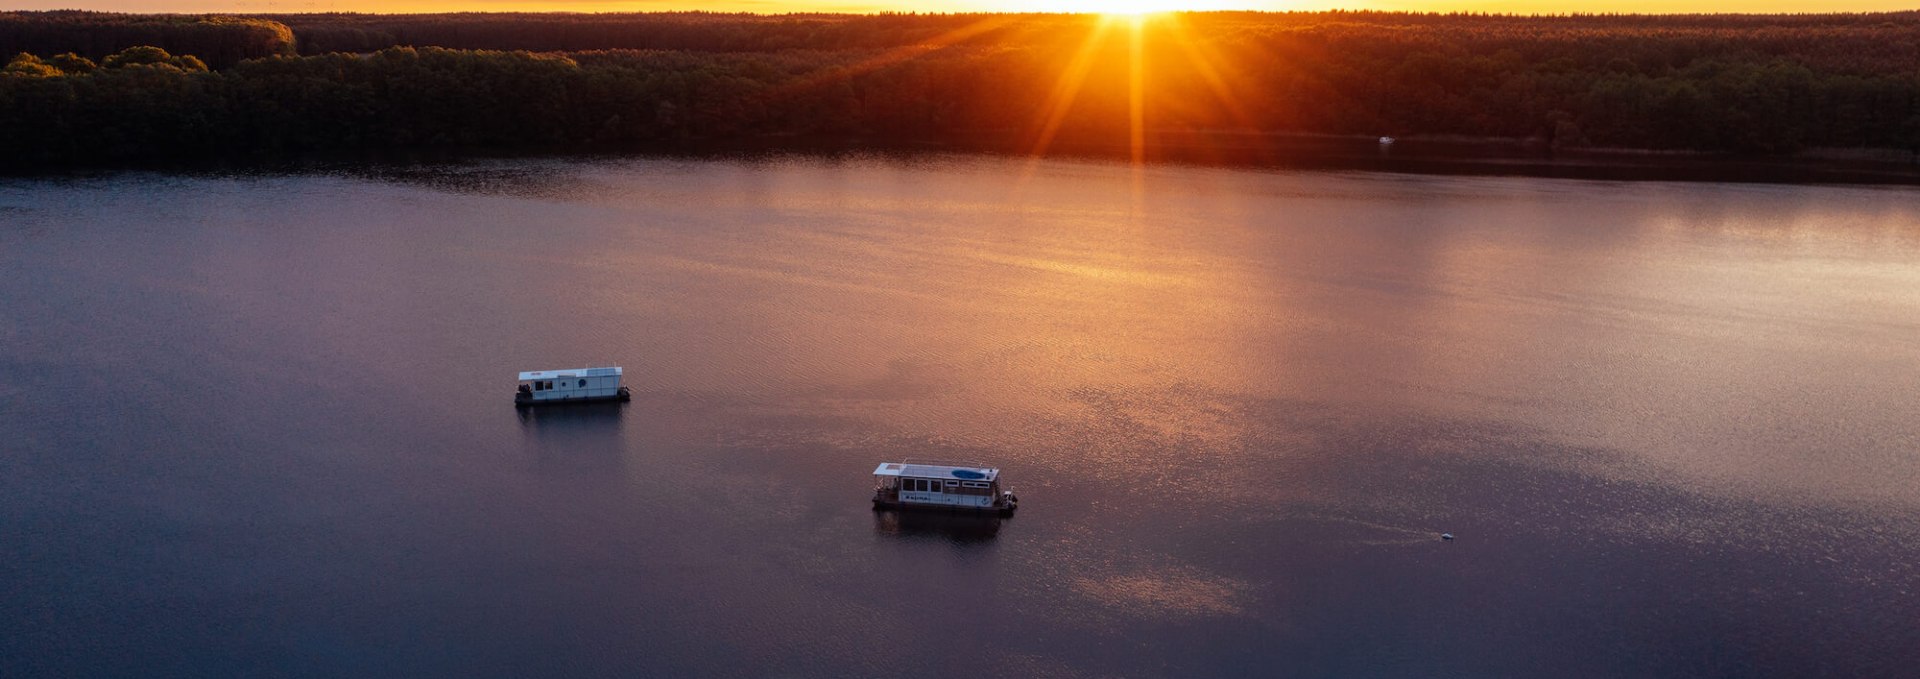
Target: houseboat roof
(570, 372)
(936, 471)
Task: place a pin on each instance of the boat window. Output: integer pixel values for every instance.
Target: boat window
(549, 384)
(537, 387)
(583, 384)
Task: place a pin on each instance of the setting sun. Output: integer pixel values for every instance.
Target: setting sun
(1122, 7)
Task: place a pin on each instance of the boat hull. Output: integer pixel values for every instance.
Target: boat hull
(522, 400)
(999, 508)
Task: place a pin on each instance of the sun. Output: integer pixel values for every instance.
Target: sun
(1127, 8)
(1137, 7)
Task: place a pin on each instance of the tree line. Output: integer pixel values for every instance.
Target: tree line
(221, 41)
(1853, 43)
(1722, 84)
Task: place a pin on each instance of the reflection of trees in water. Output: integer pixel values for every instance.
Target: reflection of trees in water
(949, 526)
(544, 181)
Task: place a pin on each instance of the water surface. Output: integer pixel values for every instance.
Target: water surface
(262, 425)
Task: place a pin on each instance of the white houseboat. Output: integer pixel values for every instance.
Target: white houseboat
(579, 385)
(915, 485)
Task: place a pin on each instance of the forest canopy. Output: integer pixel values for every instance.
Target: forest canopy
(93, 87)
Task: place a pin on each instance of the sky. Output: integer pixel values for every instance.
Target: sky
(782, 6)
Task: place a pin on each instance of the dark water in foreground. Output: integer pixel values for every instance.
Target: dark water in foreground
(261, 426)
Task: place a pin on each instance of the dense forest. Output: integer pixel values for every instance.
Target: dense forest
(91, 87)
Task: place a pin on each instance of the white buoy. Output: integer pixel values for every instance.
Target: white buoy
(1446, 536)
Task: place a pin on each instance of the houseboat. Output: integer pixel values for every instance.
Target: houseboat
(954, 487)
(579, 385)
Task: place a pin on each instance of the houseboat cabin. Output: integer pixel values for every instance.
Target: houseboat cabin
(580, 385)
(912, 485)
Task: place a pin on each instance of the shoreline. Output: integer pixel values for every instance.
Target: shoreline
(1432, 155)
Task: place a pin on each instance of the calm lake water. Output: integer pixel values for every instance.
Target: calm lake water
(262, 425)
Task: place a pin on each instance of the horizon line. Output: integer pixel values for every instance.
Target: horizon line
(1388, 12)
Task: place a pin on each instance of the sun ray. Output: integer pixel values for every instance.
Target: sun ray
(1136, 91)
(1208, 63)
(1066, 89)
(1137, 108)
(893, 56)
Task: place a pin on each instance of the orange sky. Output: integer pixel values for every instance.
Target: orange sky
(777, 6)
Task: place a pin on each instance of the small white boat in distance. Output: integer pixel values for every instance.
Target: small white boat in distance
(577, 385)
(1387, 141)
(956, 487)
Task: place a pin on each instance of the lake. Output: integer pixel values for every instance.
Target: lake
(261, 424)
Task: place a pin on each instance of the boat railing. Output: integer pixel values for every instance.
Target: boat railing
(946, 463)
